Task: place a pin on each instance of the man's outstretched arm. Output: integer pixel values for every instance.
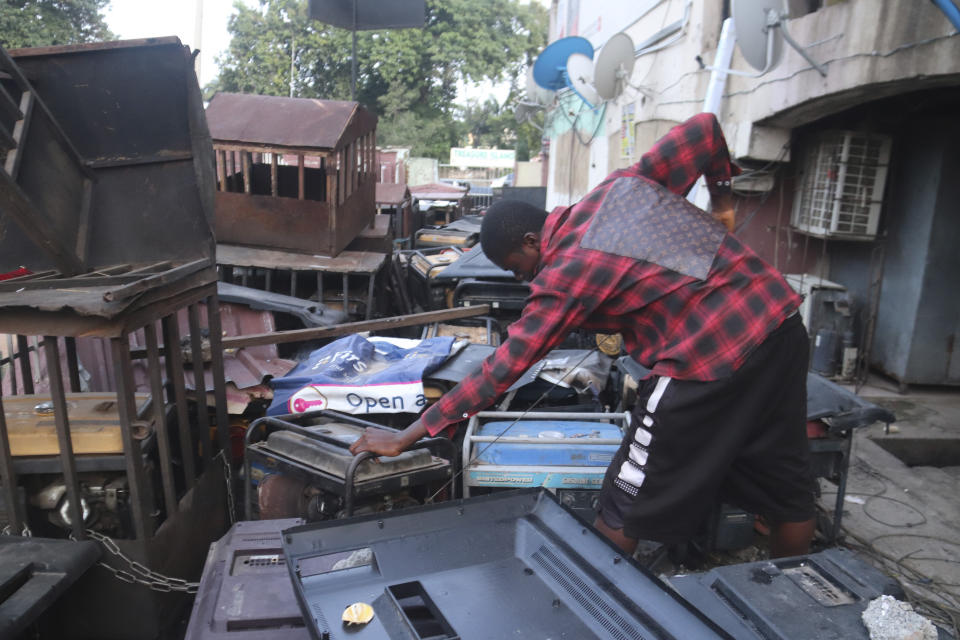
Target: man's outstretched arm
(545, 321)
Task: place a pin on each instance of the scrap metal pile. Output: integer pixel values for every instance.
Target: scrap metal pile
(170, 399)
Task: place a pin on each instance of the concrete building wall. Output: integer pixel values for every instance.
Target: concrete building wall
(529, 174)
(870, 49)
(422, 171)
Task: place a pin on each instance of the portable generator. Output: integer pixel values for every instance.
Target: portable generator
(567, 453)
(302, 467)
(422, 267)
(464, 233)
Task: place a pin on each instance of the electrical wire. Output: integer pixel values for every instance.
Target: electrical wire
(543, 396)
(941, 607)
(871, 54)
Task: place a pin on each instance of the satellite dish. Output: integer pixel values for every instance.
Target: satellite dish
(550, 68)
(761, 43)
(536, 93)
(614, 66)
(580, 78)
(524, 113)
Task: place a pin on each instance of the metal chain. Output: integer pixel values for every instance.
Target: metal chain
(228, 478)
(139, 574)
(25, 532)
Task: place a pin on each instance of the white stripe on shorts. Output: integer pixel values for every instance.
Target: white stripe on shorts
(638, 454)
(631, 475)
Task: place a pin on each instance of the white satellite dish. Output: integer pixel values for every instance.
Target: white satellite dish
(580, 78)
(760, 44)
(614, 66)
(535, 93)
(761, 30)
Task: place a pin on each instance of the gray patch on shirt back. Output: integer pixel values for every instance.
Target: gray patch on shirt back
(638, 219)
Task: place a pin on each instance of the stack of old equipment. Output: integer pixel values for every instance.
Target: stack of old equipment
(463, 233)
(304, 468)
(245, 592)
(480, 281)
(422, 267)
(499, 566)
(108, 196)
(514, 564)
(811, 597)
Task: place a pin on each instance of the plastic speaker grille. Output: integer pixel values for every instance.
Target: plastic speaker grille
(618, 626)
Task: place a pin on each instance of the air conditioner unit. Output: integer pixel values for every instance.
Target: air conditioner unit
(840, 187)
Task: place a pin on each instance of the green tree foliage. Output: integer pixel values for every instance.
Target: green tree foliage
(490, 124)
(40, 23)
(408, 77)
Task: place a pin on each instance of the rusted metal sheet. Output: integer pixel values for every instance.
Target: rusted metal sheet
(244, 368)
(299, 225)
(438, 191)
(347, 262)
(288, 122)
(391, 194)
(287, 223)
(134, 113)
(69, 307)
(377, 237)
(293, 173)
(44, 184)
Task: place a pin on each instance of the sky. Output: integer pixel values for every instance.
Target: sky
(130, 19)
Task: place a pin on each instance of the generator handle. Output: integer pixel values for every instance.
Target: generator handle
(284, 422)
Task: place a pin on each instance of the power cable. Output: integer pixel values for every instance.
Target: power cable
(929, 597)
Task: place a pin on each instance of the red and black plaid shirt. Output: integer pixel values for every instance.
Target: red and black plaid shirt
(674, 324)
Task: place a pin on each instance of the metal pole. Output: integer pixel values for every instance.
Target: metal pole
(214, 326)
(160, 419)
(198, 37)
(293, 50)
(8, 475)
(68, 462)
(353, 60)
(127, 411)
(199, 384)
(173, 358)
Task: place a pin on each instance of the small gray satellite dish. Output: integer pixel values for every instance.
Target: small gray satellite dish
(536, 93)
(761, 43)
(614, 66)
(524, 113)
(580, 78)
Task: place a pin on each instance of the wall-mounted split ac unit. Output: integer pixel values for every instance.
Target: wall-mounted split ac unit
(840, 187)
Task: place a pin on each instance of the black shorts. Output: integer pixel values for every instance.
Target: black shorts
(741, 439)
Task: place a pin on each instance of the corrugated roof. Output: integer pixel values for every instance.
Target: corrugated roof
(391, 192)
(438, 191)
(273, 120)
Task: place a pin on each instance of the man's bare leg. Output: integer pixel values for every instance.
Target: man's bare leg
(627, 545)
(791, 538)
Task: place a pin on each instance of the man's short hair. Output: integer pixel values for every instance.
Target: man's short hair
(505, 223)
